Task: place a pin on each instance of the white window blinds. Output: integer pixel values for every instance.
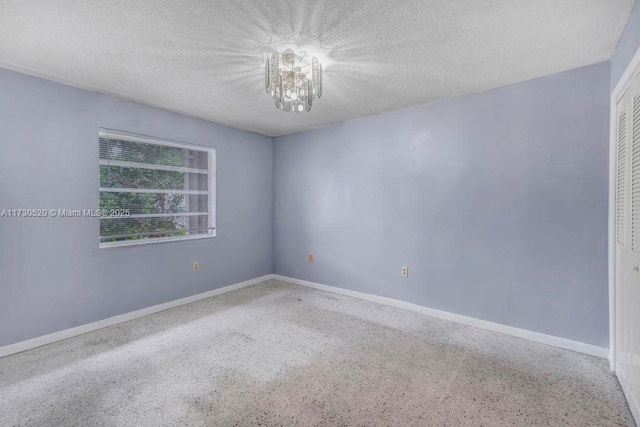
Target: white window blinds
(154, 190)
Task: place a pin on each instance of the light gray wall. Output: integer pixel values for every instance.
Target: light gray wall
(627, 47)
(52, 274)
(496, 201)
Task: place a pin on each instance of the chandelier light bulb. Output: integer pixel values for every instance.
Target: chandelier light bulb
(293, 80)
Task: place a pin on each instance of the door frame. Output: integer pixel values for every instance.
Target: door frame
(632, 70)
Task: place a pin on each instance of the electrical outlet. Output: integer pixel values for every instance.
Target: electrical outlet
(310, 257)
(405, 272)
(196, 266)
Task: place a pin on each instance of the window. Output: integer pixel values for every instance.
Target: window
(153, 190)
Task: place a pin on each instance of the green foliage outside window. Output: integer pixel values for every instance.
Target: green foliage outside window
(139, 178)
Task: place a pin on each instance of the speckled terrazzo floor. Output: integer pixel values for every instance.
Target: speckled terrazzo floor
(279, 354)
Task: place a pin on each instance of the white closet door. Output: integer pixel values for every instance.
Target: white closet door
(633, 282)
(627, 247)
(622, 241)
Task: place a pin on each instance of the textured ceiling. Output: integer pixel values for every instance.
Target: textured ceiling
(205, 58)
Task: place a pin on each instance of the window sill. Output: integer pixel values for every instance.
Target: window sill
(141, 242)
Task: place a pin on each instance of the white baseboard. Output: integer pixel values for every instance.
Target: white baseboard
(100, 324)
(564, 343)
(496, 327)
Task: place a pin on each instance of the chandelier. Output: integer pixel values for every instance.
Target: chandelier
(293, 81)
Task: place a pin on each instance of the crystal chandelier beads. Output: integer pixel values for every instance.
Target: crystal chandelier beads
(293, 81)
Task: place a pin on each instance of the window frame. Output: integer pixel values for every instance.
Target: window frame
(211, 186)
